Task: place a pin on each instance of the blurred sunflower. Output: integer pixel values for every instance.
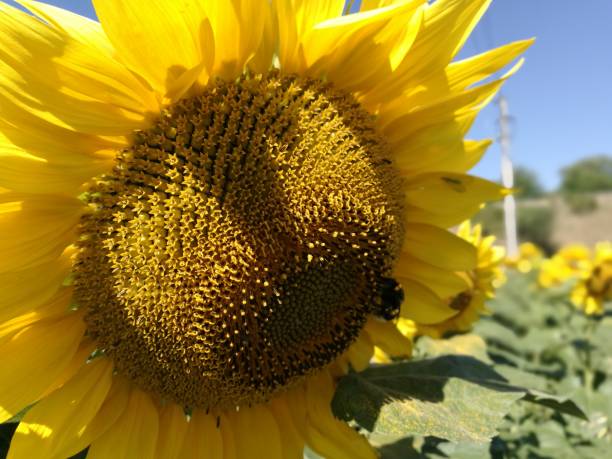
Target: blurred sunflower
(206, 208)
(479, 285)
(566, 264)
(594, 286)
(530, 256)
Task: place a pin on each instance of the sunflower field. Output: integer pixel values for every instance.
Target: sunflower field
(244, 229)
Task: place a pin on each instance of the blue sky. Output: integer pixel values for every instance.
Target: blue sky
(561, 100)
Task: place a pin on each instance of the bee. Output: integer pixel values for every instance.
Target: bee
(391, 296)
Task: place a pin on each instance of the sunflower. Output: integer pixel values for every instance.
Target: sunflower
(594, 286)
(209, 210)
(565, 265)
(479, 285)
(529, 257)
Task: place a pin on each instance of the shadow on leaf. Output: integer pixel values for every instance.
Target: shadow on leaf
(458, 398)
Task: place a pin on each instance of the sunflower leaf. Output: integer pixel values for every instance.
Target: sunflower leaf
(457, 398)
(6, 434)
(401, 449)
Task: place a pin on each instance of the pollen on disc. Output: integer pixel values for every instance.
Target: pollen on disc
(239, 244)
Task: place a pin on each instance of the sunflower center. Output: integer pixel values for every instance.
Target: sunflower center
(241, 242)
(461, 301)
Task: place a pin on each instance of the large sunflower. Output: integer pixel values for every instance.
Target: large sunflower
(202, 209)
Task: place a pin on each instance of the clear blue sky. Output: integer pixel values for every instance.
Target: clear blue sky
(561, 100)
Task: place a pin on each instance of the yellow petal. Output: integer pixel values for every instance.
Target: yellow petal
(157, 39)
(473, 151)
(55, 145)
(353, 50)
(133, 435)
(439, 147)
(465, 73)
(90, 59)
(296, 399)
(239, 27)
(261, 62)
(112, 408)
(56, 162)
(56, 85)
(33, 359)
(228, 436)
(444, 282)
(257, 432)
(32, 289)
(402, 118)
(422, 305)
(57, 307)
(296, 18)
(428, 195)
(27, 174)
(37, 230)
(173, 427)
(439, 247)
(58, 421)
(367, 5)
(327, 435)
(438, 90)
(79, 359)
(452, 19)
(386, 336)
(203, 439)
(291, 438)
(18, 96)
(360, 352)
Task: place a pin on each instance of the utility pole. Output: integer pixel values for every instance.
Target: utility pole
(507, 172)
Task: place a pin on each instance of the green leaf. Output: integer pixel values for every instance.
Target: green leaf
(81, 455)
(402, 449)
(490, 329)
(464, 451)
(560, 404)
(457, 398)
(6, 434)
(521, 378)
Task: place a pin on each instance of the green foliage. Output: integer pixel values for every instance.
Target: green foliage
(580, 203)
(6, 434)
(527, 184)
(538, 339)
(590, 174)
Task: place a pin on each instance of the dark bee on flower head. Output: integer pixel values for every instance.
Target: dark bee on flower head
(391, 296)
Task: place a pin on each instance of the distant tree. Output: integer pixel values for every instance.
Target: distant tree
(590, 174)
(527, 183)
(534, 223)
